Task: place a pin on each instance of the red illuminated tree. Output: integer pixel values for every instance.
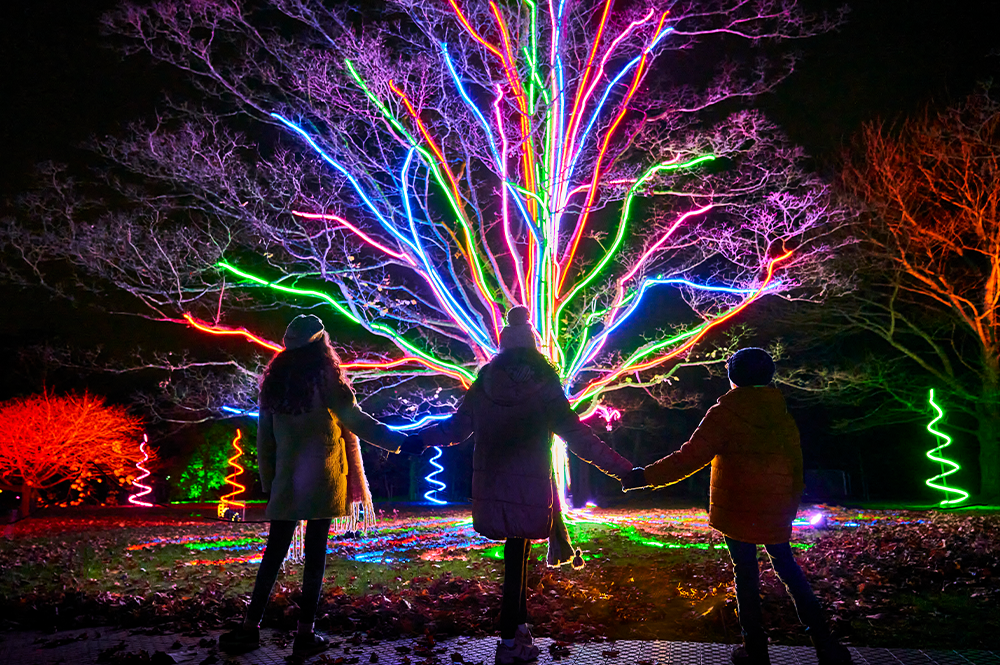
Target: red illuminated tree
(47, 440)
(929, 263)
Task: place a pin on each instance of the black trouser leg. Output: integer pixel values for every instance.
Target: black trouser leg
(514, 606)
(806, 604)
(279, 537)
(317, 532)
(747, 575)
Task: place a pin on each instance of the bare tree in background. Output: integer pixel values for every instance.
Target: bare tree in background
(929, 268)
(413, 171)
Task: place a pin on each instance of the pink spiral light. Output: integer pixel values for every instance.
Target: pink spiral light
(146, 489)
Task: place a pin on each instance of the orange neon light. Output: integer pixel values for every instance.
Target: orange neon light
(228, 501)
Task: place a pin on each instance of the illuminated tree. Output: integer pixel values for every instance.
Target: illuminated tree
(926, 309)
(47, 440)
(417, 169)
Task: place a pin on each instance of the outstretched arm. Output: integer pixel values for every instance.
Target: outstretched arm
(706, 442)
(582, 441)
(369, 429)
(454, 430)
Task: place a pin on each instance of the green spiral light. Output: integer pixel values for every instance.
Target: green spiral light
(934, 455)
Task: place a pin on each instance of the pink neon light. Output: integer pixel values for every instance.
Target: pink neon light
(569, 148)
(579, 102)
(504, 205)
(608, 414)
(146, 489)
(663, 239)
(364, 236)
(522, 104)
(219, 330)
(591, 195)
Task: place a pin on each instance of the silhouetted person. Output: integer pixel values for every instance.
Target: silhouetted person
(752, 443)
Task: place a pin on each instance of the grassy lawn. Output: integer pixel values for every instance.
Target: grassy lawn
(889, 578)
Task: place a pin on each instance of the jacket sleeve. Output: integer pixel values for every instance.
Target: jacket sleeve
(582, 441)
(266, 450)
(706, 442)
(454, 430)
(369, 429)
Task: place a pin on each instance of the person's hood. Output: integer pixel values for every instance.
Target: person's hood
(510, 383)
(758, 406)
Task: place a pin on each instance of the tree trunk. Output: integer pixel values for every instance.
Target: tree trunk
(988, 431)
(27, 499)
(988, 434)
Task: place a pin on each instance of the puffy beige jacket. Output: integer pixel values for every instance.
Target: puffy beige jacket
(302, 458)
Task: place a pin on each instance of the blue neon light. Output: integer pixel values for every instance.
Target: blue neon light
(431, 495)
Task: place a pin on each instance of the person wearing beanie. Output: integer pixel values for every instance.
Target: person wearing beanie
(512, 410)
(310, 464)
(752, 443)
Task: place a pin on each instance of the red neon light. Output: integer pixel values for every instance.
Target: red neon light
(228, 501)
(220, 330)
(146, 489)
(361, 364)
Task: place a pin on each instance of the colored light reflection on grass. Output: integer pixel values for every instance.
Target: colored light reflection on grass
(451, 537)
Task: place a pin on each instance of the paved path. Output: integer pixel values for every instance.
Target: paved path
(86, 647)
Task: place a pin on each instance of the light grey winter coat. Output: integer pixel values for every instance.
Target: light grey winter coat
(302, 458)
(513, 414)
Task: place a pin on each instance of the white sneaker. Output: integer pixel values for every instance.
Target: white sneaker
(519, 653)
(523, 637)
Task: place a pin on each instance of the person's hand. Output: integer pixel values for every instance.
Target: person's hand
(634, 479)
(413, 445)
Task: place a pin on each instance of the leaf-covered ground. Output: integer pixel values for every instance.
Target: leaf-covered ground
(889, 578)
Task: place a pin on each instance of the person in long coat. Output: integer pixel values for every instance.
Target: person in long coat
(512, 409)
(753, 445)
(310, 464)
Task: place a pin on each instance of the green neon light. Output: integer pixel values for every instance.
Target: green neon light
(623, 223)
(374, 327)
(933, 455)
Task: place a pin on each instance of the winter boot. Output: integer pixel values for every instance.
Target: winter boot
(831, 652)
(519, 653)
(240, 640)
(308, 644)
(751, 653)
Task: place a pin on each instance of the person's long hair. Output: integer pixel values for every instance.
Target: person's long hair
(294, 377)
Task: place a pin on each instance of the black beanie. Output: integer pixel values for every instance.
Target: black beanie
(750, 367)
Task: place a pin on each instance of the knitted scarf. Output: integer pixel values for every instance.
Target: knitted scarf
(360, 511)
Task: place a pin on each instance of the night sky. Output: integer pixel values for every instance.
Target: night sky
(61, 84)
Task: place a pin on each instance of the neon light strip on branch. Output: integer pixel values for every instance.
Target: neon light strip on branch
(446, 368)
